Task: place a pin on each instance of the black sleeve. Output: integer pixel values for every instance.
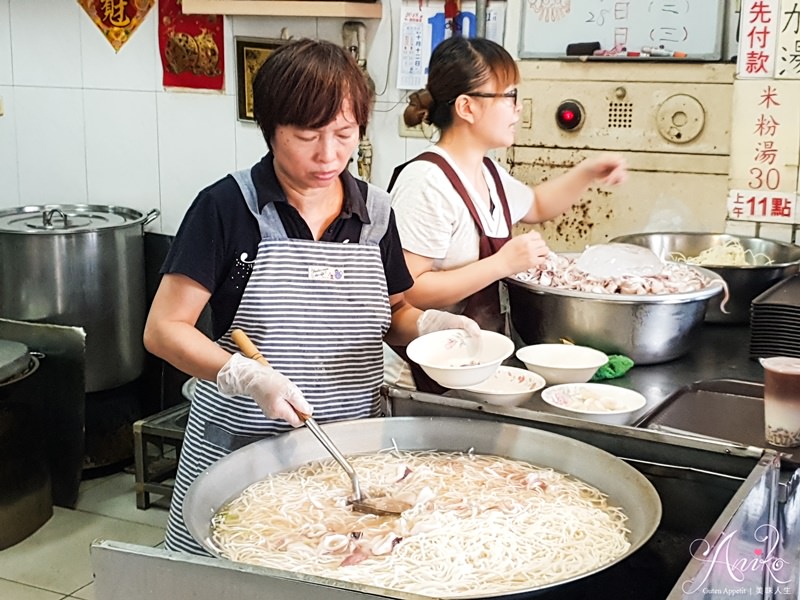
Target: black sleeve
(197, 249)
(216, 234)
(398, 278)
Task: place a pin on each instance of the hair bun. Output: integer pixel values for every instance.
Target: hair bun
(416, 112)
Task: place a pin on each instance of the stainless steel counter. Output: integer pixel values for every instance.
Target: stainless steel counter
(721, 352)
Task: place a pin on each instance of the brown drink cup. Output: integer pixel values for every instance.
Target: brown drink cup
(782, 400)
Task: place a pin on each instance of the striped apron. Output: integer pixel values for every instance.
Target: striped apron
(318, 312)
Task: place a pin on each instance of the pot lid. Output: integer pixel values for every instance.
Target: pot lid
(66, 218)
(14, 359)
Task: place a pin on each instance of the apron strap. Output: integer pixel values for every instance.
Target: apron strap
(269, 223)
(379, 208)
(501, 192)
(271, 226)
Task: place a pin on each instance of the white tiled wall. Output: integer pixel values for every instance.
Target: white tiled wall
(85, 124)
(121, 154)
(5, 43)
(50, 143)
(9, 176)
(45, 43)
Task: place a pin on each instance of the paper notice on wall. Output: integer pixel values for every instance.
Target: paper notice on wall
(423, 26)
(758, 35)
(765, 143)
(787, 54)
(764, 207)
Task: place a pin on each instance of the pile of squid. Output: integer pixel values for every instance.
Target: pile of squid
(561, 272)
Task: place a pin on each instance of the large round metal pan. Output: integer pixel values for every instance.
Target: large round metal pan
(624, 485)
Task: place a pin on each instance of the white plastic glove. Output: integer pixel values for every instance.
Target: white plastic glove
(274, 393)
(436, 320)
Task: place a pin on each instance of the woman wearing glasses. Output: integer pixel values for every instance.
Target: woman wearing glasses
(455, 207)
(301, 256)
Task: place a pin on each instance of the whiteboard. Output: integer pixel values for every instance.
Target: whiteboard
(691, 26)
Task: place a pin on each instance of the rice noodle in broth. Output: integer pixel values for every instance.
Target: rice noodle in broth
(478, 524)
(729, 254)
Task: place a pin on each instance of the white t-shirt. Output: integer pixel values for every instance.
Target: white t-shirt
(433, 220)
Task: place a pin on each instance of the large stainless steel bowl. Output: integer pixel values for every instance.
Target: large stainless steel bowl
(744, 283)
(625, 486)
(649, 329)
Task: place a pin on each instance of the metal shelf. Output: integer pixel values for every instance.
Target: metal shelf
(285, 8)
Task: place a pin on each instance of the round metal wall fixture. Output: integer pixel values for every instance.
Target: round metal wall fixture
(680, 119)
(570, 115)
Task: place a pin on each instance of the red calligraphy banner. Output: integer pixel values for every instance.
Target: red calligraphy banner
(191, 46)
(117, 19)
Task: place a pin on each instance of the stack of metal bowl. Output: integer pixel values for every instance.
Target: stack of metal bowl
(649, 329)
(744, 282)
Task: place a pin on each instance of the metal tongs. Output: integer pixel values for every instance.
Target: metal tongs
(374, 506)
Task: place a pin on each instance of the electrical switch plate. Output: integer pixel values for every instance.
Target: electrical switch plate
(527, 111)
(422, 130)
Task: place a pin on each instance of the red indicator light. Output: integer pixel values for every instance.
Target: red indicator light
(569, 115)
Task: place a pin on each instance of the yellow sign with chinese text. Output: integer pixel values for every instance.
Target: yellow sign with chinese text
(117, 19)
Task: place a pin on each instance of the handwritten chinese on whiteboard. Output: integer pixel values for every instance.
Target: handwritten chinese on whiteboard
(691, 26)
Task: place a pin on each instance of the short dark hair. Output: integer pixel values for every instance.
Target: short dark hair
(304, 83)
(459, 65)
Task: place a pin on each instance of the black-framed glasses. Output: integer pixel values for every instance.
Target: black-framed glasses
(509, 94)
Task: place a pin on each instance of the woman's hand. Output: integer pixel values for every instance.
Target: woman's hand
(276, 395)
(555, 196)
(608, 169)
(438, 320)
(522, 252)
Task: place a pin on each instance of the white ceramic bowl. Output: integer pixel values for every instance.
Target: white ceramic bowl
(593, 398)
(562, 363)
(447, 357)
(508, 386)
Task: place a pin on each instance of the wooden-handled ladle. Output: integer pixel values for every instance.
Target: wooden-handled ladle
(374, 506)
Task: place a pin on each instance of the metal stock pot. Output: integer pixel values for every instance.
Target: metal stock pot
(650, 329)
(80, 265)
(625, 486)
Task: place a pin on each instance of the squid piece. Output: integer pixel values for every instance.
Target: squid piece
(335, 543)
(561, 272)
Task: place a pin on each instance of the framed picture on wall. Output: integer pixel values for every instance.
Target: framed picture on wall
(250, 55)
